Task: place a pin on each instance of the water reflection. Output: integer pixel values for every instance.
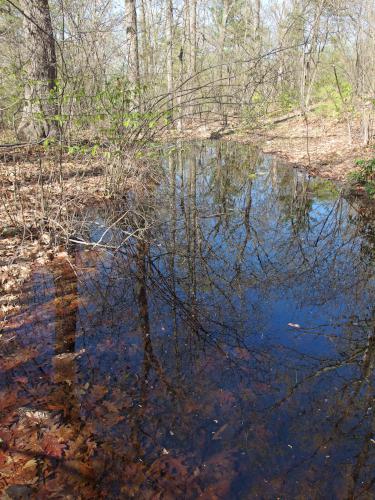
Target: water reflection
(229, 353)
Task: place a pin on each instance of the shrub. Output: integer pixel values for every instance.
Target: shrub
(365, 176)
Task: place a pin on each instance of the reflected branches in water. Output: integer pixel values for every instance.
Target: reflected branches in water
(228, 352)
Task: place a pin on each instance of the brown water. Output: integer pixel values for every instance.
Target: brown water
(229, 353)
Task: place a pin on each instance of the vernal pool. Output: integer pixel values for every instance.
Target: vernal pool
(225, 351)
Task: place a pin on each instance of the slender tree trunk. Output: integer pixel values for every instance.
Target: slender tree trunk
(257, 21)
(183, 55)
(192, 52)
(170, 54)
(180, 90)
(132, 41)
(193, 37)
(40, 109)
(366, 122)
(145, 43)
(222, 41)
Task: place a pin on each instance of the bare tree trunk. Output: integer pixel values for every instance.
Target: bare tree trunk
(192, 51)
(179, 93)
(170, 54)
(40, 109)
(366, 122)
(193, 37)
(183, 55)
(145, 43)
(222, 41)
(312, 50)
(132, 41)
(257, 21)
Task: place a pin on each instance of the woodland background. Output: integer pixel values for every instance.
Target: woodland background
(103, 69)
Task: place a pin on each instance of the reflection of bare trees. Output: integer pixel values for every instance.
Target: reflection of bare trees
(228, 242)
(364, 396)
(275, 252)
(318, 249)
(186, 333)
(230, 245)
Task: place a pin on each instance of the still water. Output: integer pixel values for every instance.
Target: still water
(226, 351)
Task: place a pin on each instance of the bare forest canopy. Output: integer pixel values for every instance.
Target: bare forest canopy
(103, 69)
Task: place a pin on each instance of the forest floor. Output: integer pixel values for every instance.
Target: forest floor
(32, 184)
(34, 188)
(321, 145)
(43, 198)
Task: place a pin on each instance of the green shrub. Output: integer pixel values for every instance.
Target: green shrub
(365, 176)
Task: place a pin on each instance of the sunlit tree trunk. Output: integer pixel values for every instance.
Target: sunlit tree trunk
(313, 47)
(132, 41)
(257, 21)
(193, 37)
(181, 68)
(222, 41)
(192, 52)
(145, 43)
(40, 109)
(170, 54)
(364, 87)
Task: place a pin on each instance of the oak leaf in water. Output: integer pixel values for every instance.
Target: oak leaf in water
(218, 475)
(168, 466)
(191, 406)
(7, 399)
(111, 407)
(21, 380)
(217, 491)
(23, 356)
(112, 419)
(135, 477)
(52, 446)
(84, 469)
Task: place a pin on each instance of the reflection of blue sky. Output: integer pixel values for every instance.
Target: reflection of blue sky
(313, 274)
(308, 277)
(270, 249)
